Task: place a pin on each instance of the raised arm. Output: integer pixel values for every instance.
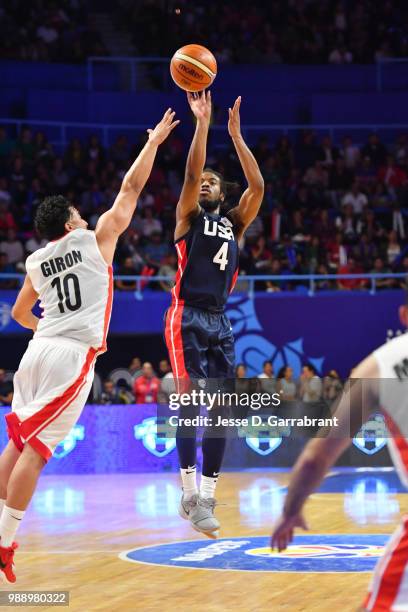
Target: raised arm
(251, 199)
(116, 220)
(356, 403)
(25, 302)
(188, 206)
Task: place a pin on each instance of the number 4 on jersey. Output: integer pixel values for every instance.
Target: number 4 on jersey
(221, 255)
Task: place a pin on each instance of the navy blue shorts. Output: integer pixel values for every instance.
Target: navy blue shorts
(200, 342)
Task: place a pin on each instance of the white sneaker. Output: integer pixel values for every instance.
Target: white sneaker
(187, 505)
(200, 512)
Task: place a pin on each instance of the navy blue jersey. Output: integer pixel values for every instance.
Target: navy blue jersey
(207, 262)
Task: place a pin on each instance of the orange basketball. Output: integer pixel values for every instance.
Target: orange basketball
(193, 68)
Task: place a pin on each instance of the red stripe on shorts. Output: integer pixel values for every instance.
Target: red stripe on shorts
(173, 335)
(40, 447)
(38, 421)
(400, 441)
(13, 423)
(392, 576)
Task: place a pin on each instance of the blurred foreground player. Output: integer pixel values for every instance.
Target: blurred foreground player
(198, 333)
(380, 382)
(72, 276)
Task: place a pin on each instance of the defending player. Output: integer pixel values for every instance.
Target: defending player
(72, 276)
(198, 333)
(382, 385)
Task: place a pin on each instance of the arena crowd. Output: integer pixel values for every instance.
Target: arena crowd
(328, 207)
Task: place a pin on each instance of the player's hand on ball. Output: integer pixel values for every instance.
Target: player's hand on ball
(200, 104)
(163, 128)
(234, 120)
(282, 533)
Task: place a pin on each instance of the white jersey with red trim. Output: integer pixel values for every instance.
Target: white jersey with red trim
(74, 284)
(392, 361)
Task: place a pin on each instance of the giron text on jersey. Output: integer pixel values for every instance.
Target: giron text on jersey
(60, 264)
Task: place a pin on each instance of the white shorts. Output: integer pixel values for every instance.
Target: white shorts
(51, 387)
(388, 590)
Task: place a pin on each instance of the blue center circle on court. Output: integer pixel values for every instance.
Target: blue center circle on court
(308, 553)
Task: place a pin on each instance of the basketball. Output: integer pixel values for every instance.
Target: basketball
(193, 68)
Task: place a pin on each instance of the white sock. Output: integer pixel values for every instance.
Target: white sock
(189, 480)
(2, 504)
(207, 486)
(9, 523)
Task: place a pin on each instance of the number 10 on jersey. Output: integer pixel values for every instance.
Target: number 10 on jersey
(221, 256)
(65, 299)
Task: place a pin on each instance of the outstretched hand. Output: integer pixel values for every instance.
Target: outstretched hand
(282, 533)
(163, 128)
(200, 104)
(234, 120)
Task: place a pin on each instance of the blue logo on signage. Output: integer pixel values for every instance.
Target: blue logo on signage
(252, 348)
(263, 440)
(308, 553)
(372, 437)
(263, 446)
(153, 433)
(5, 314)
(69, 443)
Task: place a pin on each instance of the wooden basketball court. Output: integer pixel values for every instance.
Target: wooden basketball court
(77, 526)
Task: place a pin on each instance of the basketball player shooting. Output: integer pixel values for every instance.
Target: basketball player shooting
(198, 333)
(72, 276)
(379, 384)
